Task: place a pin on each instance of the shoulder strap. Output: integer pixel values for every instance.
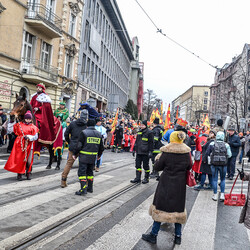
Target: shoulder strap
(234, 185)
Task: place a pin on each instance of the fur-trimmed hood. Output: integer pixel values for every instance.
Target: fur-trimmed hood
(175, 148)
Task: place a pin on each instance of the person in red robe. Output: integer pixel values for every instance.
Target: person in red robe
(21, 158)
(49, 126)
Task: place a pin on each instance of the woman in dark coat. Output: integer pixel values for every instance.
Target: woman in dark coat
(170, 196)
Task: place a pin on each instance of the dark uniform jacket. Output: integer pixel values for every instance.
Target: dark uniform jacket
(119, 132)
(158, 132)
(73, 131)
(144, 142)
(89, 146)
(234, 143)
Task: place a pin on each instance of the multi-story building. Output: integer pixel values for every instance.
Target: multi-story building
(230, 93)
(193, 104)
(105, 56)
(39, 43)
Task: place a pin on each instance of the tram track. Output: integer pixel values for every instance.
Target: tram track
(39, 236)
(45, 189)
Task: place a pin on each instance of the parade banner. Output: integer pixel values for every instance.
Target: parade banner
(206, 122)
(115, 121)
(152, 117)
(167, 121)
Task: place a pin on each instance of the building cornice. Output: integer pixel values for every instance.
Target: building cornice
(10, 57)
(20, 3)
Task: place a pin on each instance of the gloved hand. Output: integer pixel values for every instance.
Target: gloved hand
(150, 155)
(133, 153)
(241, 173)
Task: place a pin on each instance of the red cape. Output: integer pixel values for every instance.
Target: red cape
(16, 162)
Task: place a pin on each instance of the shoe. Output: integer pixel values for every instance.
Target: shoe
(145, 180)
(150, 238)
(19, 177)
(64, 183)
(208, 187)
(239, 162)
(222, 197)
(137, 179)
(215, 197)
(28, 176)
(198, 187)
(81, 192)
(231, 178)
(57, 168)
(83, 189)
(177, 240)
(228, 176)
(97, 169)
(48, 167)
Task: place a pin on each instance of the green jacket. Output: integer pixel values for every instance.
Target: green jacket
(64, 111)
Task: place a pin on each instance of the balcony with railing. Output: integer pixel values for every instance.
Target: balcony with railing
(44, 20)
(36, 71)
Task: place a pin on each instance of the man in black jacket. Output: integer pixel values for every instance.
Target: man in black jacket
(158, 132)
(71, 136)
(144, 145)
(234, 143)
(118, 137)
(90, 146)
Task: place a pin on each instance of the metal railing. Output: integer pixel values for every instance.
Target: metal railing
(40, 12)
(38, 68)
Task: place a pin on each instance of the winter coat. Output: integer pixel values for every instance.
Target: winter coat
(234, 143)
(170, 196)
(247, 143)
(157, 131)
(245, 212)
(74, 129)
(144, 142)
(220, 137)
(205, 168)
(118, 132)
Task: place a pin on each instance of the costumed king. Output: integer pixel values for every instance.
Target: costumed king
(90, 146)
(21, 157)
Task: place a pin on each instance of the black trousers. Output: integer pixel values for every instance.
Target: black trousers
(12, 138)
(118, 142)
(142, 160)
(85, 169)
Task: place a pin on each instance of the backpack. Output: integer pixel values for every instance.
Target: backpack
(219, 154)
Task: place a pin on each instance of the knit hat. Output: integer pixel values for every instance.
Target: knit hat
(84, 114)
(28, 115)
(220, 122)
(145, 122)
(177, 137)
(156, 120)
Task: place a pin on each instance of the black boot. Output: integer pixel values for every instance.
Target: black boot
(146, 178)
(48, 167)
(113, 149)
(177, 240)
(19, 177)
(137, 178)
(83, 189)
(28, 175)
(57, 167)
(90, 186)
(150, 238)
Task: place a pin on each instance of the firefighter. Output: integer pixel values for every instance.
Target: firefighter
(144, 150)
(158, 132)
(90, 146)
(118, 137)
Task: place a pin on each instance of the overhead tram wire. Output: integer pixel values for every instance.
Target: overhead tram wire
(171, 39)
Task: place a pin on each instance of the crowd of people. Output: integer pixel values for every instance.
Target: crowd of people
(206, 150)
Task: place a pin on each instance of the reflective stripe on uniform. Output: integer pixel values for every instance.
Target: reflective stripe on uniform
(147, 170)
(139, 133)
(94, 140)
(139, 169)
(156, 138)
(82, 177)
(88, 153)
(90, 177)
(156, 151)
(144, 139)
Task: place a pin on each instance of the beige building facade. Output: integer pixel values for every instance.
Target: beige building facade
(40, 40)
(193, 104)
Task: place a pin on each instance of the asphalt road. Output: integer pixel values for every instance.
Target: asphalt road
(29, 208)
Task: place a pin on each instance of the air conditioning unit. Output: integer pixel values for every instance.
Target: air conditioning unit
(24, 71)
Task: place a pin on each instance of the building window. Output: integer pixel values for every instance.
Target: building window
(205, 107)
(46, 55)
(88, 69)
(83, 65)
(206, 93)
(72, 24)
(89, 7)
(93, 10)
(28, 47)
(100, 21)
(86, 32)
(97, 15)
(68, 66)
(50, 9)
(205, 101)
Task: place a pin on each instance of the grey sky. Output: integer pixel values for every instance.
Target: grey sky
(216, 30)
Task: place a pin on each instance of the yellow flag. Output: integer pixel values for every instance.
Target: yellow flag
(206, 122)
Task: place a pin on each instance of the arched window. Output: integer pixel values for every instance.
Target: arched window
(25, 90)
